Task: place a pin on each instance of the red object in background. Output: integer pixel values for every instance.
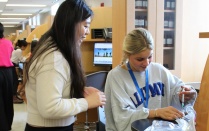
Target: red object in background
(102, 4)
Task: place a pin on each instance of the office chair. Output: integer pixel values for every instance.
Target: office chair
(97, 80)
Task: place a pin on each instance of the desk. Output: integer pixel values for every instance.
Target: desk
(141, 125)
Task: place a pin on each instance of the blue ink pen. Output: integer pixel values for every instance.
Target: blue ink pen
(182, 99)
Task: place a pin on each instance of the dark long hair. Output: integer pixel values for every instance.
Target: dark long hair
(62, 36)
(1, 30)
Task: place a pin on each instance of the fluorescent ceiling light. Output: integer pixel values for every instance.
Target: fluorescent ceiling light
(10, 22)
(12, 18)
(9, 26)
(25, 5)
(16, 14)
(3, 0)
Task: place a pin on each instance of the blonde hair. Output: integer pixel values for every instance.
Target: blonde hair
(137, 41)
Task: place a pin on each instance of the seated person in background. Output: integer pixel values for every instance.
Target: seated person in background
(140, 88)
(16, 58)
(21, 90)
(17, 53)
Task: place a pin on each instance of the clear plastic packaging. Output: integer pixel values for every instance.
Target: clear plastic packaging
(160, 125)
(185, 123)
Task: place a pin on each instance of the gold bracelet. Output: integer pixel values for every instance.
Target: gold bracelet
(155, 112)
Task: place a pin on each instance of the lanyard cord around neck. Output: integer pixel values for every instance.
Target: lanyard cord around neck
(137, 86)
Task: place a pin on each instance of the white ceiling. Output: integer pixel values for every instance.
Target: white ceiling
(23, 10)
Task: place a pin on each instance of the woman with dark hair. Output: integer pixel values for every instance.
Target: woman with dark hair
(55, 82)
(6, 83)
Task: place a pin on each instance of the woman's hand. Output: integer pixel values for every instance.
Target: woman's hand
(169, 113)
(94, 97)
(188, 92)
(89, 90)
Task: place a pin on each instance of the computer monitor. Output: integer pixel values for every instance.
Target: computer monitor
(102, 54)
(20, 64)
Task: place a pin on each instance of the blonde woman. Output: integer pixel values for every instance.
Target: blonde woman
(140, 88)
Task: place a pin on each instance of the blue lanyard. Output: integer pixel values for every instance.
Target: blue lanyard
(137, 86)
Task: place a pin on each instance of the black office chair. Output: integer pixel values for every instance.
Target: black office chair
(97, 80)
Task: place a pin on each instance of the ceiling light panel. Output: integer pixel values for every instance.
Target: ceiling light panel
(10, 22)
(12, 18)
(3, 0)
(15, 14)
(25, 5)
(9, 26)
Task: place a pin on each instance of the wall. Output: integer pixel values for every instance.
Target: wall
(44, 17)
(194, 49)
(96, 3)
(9, 30)
(102, 18)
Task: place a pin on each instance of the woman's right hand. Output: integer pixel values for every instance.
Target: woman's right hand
(169, 113)
(96, 99)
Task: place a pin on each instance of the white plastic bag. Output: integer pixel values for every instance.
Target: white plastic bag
(184, 124)
(160, 125)
(190, 118)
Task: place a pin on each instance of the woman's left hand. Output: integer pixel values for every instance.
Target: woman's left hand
(188, 92)
(89, 90)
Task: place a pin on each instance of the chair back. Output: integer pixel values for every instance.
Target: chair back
(98, 80)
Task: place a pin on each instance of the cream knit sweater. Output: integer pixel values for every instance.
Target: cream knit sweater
(47, 92)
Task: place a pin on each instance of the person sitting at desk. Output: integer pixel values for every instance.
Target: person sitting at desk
(140, 89)
(21, 91)
(16, 58)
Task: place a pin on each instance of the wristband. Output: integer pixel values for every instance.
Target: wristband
(156, 113)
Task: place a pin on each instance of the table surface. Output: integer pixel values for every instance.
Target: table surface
(141, 125)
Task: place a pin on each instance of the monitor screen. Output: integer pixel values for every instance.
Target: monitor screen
(20, 65)
(103, 54)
